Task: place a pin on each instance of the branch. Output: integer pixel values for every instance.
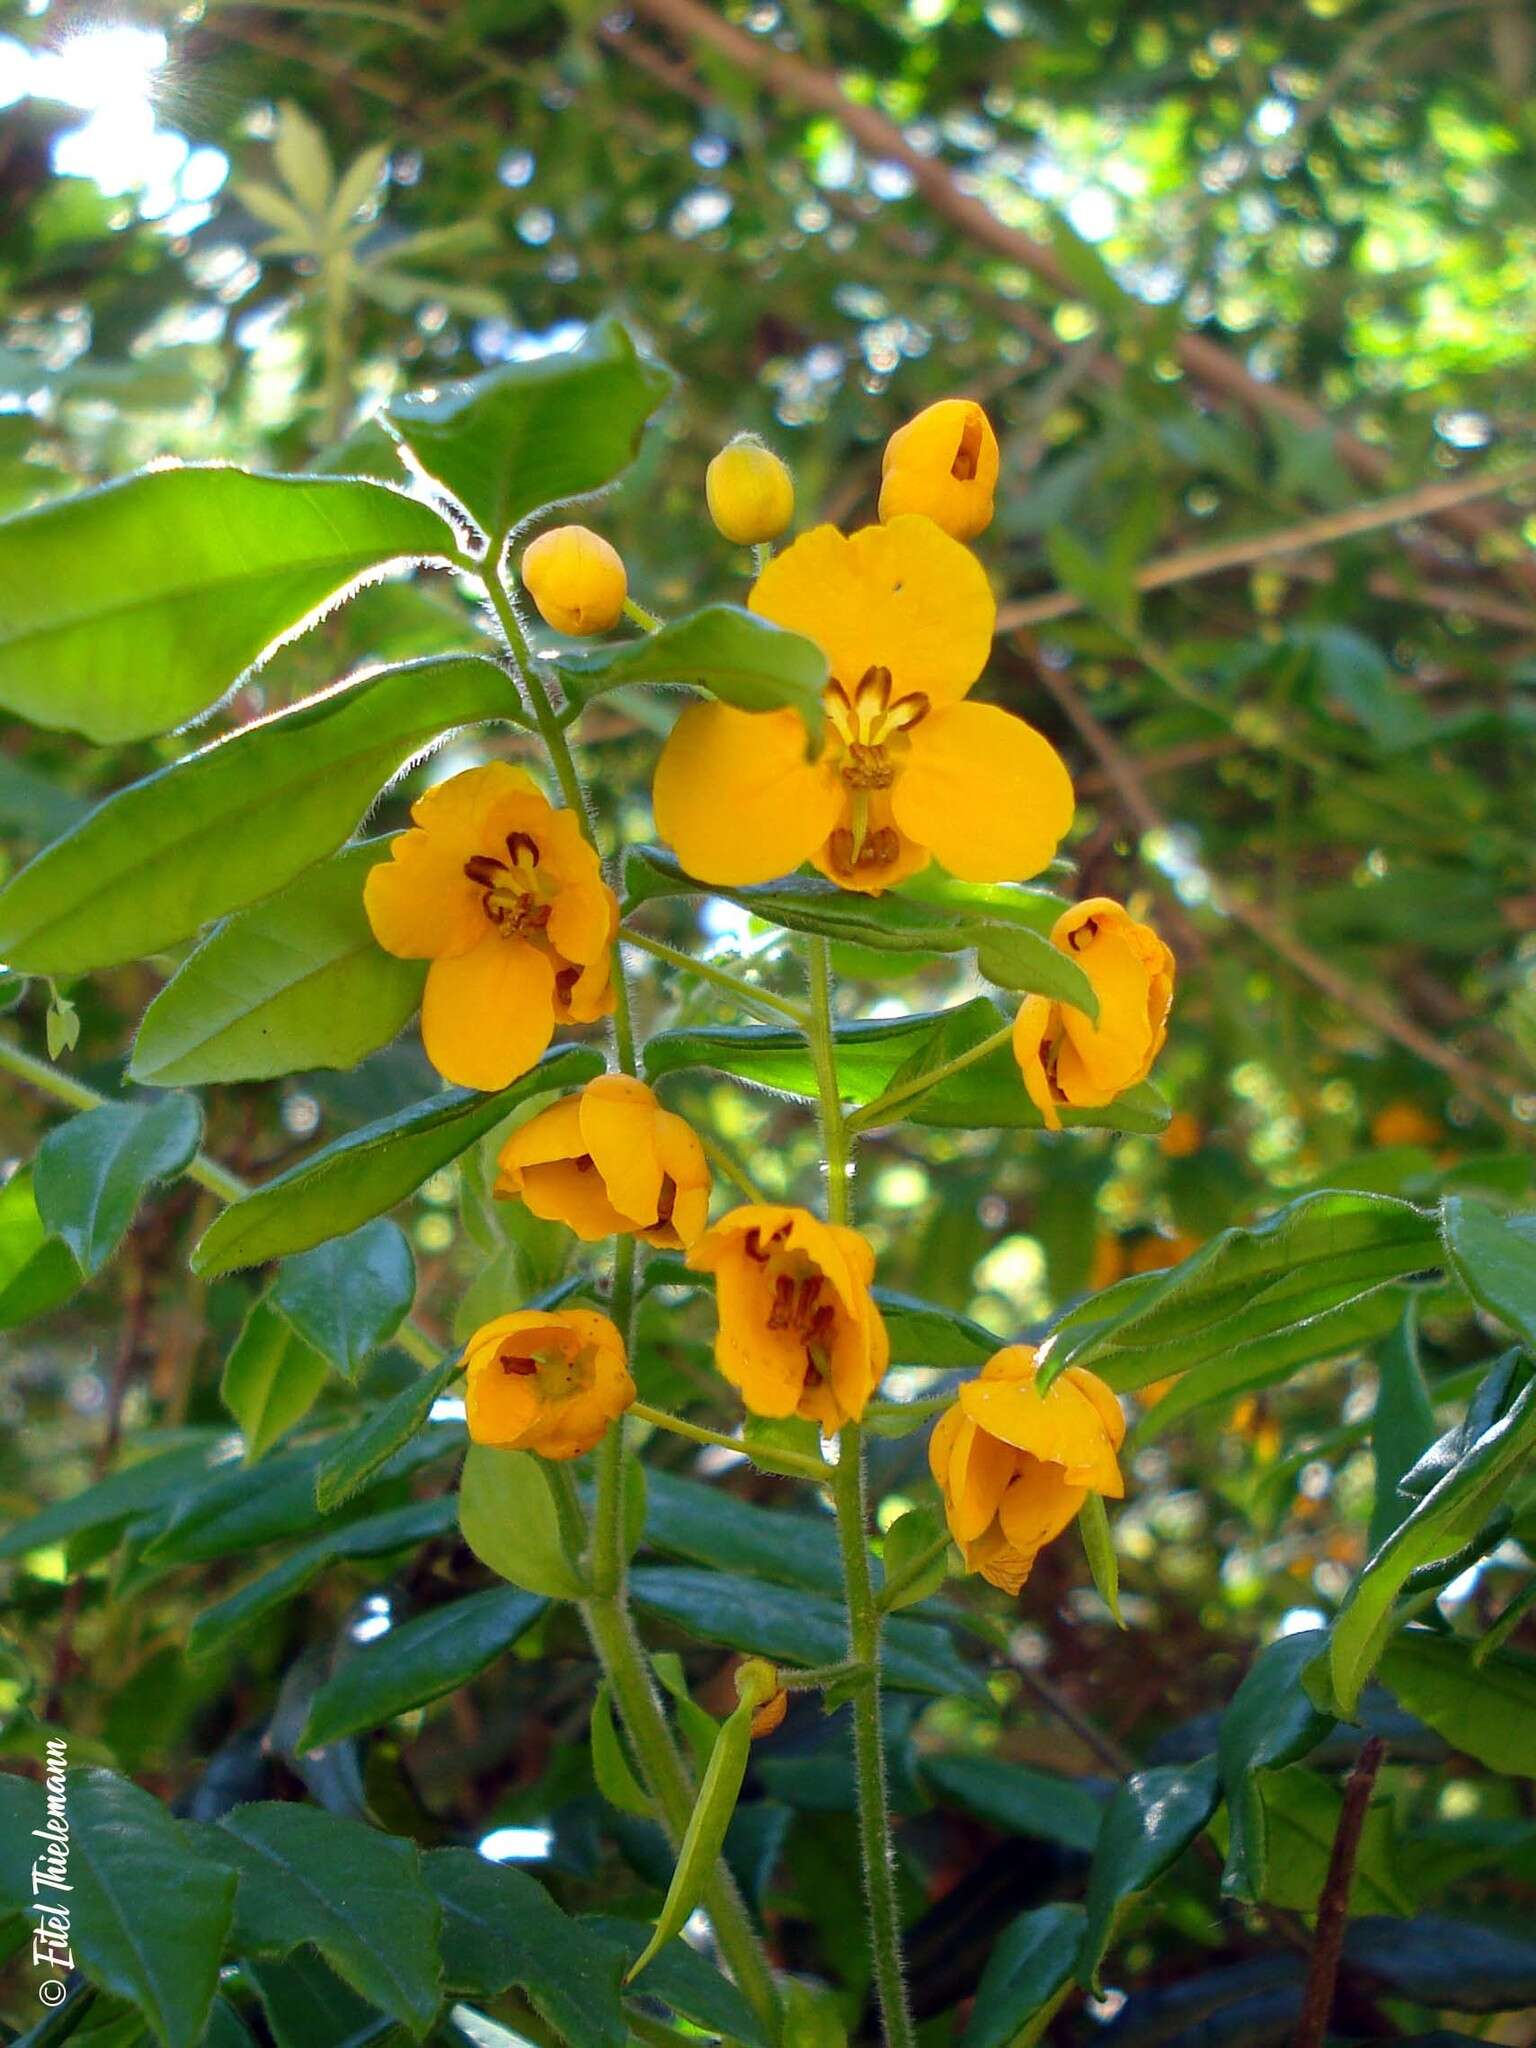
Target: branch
(1333, 1905)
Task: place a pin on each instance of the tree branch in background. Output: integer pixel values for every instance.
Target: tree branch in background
(1333, 1903)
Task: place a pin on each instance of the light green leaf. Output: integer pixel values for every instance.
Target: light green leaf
(610, 1766)
(232, 823)
(917, 1534)
(348, 1297)
(1099, 1549)
(1403, 1425)
(271, 1379)
(130, 609)
(302, 158)
(37, 1271)
(508, 1519)
(1494, 1257)
(368, 1171)
(1301, 1814)
(723, 652)
(295, 982)
(1485, 1709)
(93, 1171)
(530, 434)
(922, 1333)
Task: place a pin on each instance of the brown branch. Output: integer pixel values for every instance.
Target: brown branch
(1333, 1904)
(792, 79)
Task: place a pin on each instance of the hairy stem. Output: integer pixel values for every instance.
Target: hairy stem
(775, 1461)
(744, 992)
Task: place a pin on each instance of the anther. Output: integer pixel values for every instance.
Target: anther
(482, 870)
(522, 1368)
(519, 843)
(781, 1316)
(1085, 935)
(752, 1244)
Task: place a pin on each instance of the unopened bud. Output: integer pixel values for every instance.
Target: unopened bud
(576, 579)
(751, 494)
(944, 465)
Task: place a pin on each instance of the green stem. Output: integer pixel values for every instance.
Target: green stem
(568, 1508)
(206, 1172)
(776, 1461)
(848, 1495)
(744, 992)
(641, 617)
(879, 1110)
(734, 1171)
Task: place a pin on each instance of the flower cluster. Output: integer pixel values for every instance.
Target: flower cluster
(502, 893)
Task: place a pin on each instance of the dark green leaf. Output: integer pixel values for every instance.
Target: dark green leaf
(128, 610)
(508, 1518)
(723, 651)
(1446, 1963)
(158, 860)
(272, 1378)
(305, 2003)
(149, 1482)
(361, 1175)
(421, 1660)
(1486, 1710)
(355, 1456)
(309, 1878)
(93, 1172)
(348, 1297)
(681, 1978)
(37, 1271)
(1030, 1962)
(1270, 1722)
(531, 434)
(295, 982)
(1494, 1257)
(708, 1525)
(1020, 1799)
(1148, 1824)
(1403, 1426)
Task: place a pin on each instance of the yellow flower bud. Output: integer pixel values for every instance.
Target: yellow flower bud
(943, 464)
(576, 579)
(750, 492)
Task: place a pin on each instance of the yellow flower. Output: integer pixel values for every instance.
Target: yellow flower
(504, 896)
(799, 1333)
(750, 493)
(546, 1380)
(1015, 1465)
(944, 464)
(1064, 1057)
(608, 1161)
(909, 771)
(576, 579)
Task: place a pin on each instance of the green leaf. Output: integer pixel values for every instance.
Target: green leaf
(356, 1455)
(304, 2002)
(312, 1879)
(1487, 1710)
(698, 1853)
(149, 1916)
(1148, 1824)
(507, 1515)
(136, 1488)
(707, 1525)
(1020, 1799)
(37, 1271)
(1448, 1516)
(530, 434)
(1494, 1257)
(610, 1766)
(872, 1052)
(130, 609)
(348, 1297)
(922, 1333)
(1250, 1304)
(1099, 1549)
(1438, 1962)
(1271, 1722)
(216, 831)
(383, 1535)
(917, 1534)
(421, 1660)
(295, 982)
(681, 1978)
(1301, 1814)
(271, 1379)
(302, 158)
(93, 1171)
(343, 1185)
(1403, 1424)
(797, 1627)
(501, 1929)
(722, 651)
(1031, 1962)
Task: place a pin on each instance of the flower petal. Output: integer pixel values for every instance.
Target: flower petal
(903, 596)
(618, 1125)
(1038, 1505)
(981, 1468)
(420, 902)
(988, 794)
(487, 1015)
(566, 1191)
(735, 797)
(1036, 1019)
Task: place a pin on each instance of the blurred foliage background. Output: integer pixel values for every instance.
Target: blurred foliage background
(1250, 293)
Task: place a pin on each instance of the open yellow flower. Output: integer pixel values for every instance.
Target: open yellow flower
(501, 892)
(608, 1161)
(1064, 1056)
(546, 1380)
(909, 771)
(799, 1333)
(943, 463)
(1015, 1465)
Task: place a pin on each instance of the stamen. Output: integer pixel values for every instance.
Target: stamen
(519, 843)
(781, 1316)
(752, 1244)
(482, 870)
(523, 1368)
(1085, 935)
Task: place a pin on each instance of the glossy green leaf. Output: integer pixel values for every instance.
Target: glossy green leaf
(916, 1539)
(158, 860)
(417, 1662)
(129, 610)
(271, 1380)
(93, 1171)
(1448, 1516)
(1271, 1722)
(37, 1270)
(1031, 1961)
(357, 1454)
(1494, 1257)
(1147, 1826)
(502, 1929)
(707, 1525)
(295, 982)
(1301, 1817)
(1020, 1799)
(508, 1518)
(356, 1895)
(1217, 1316)
(530, 434)
(345, 1184)
(797, 1627)
(348, 1297)
(722, 651)
(1487, 1710)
